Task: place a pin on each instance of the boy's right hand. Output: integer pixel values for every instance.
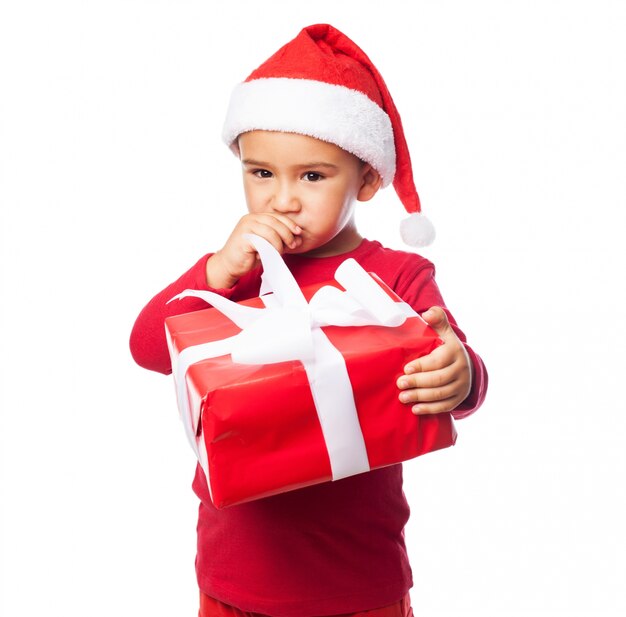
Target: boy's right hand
(238, 256)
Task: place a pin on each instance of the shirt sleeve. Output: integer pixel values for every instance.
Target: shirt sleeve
(420, 290)
(148, 345)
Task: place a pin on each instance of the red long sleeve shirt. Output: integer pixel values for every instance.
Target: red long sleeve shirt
(327, 549)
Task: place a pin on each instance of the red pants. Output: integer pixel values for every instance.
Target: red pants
(209, 607)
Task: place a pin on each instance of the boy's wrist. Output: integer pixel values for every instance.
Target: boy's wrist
(216, 275)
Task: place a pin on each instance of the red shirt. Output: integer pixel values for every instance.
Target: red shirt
(327, 549)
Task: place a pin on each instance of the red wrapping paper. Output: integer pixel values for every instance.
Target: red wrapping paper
(259, 423)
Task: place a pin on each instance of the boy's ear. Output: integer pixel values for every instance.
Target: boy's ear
(371, 182)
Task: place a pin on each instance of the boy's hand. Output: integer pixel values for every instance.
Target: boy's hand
(238, 256)
(442, 379)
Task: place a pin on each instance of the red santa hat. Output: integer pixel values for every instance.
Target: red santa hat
(321, 84)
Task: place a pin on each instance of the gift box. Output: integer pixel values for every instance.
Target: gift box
(298, 386)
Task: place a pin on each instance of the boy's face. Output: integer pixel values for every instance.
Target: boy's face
(312, 182)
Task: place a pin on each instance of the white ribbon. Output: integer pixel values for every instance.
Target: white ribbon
(289, 328)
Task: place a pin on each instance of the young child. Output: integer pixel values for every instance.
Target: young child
(317, 131)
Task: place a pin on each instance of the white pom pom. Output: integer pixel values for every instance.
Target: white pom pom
(417, 230)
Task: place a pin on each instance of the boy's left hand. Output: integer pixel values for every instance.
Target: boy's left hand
(442, 379)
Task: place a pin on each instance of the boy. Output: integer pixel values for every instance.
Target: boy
(316, 131)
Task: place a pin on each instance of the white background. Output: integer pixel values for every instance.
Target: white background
(114, 181)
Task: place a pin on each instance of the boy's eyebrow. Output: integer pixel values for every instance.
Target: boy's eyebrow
(301, 166)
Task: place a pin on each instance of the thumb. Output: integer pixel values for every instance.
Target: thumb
(437, 319)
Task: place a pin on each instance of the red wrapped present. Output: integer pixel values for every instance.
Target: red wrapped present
(298, 386)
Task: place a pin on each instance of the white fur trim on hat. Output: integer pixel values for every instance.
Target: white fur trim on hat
(339, 115)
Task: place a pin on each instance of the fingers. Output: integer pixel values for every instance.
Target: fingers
(238, 256)
(440, 380)
(439, 358)
(437, 319)
(281, 232)
(435, 399)
(440, 385)
(431, 379)
(437, 407)
(429, 395)
(280, 241)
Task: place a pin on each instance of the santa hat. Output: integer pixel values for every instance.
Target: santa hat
(321, 84)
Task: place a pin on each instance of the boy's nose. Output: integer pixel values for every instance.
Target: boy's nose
(285, 199)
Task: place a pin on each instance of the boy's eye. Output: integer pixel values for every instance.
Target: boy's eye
(262, 173)
(311, 176)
